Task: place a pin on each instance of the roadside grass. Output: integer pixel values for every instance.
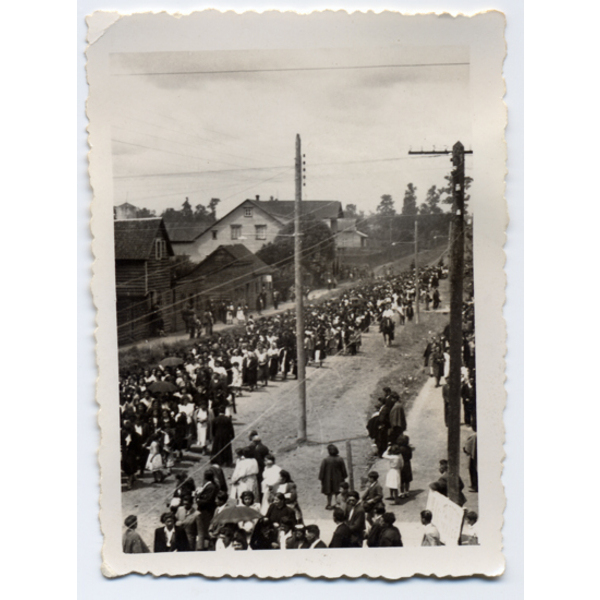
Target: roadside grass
(410, 374)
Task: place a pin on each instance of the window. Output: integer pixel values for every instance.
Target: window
(160, 249)
(236, 232)
(248, 211)
(214, 234)
(261, 232)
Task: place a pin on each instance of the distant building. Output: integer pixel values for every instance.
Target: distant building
(348, 236)
(143, 269)
(254, 223)
(230, 273)
(125, 211)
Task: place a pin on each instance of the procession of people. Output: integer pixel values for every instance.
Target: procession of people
(188, 401)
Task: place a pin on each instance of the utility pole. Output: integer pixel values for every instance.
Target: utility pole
(456, 303)
(300, 354)
(417, 309)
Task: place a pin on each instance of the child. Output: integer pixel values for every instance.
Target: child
(431, 535)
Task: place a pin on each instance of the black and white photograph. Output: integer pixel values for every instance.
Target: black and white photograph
(298, 228)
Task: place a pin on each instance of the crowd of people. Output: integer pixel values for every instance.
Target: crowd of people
(190, 399)
(260, 511)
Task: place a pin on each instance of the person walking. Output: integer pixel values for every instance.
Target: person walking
(223, 434)
(332, 473)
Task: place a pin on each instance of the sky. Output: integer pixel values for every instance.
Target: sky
(223, 124)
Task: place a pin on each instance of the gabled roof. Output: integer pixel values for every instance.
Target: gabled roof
(234, 256)
(126, 205)
(349, 226)
(181, 232)
(218, 222)
(134, 238)
(284, 209)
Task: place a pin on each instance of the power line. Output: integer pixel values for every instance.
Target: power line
(295, 69)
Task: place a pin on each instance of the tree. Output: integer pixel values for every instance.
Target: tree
(212, 206)
(201, 212)
(386, 206)
(143, 213)
(432, 201)
(350, 211)
(449, 198)
(409, 206)
(318, 249)
(186, 210)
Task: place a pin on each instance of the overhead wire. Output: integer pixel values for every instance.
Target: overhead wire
(291, 69)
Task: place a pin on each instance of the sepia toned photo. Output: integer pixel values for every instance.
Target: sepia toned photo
(298, 227)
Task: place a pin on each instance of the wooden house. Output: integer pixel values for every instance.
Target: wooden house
(348, 236)
(143, 268)
(231, 273)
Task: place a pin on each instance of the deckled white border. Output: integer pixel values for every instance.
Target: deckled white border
(484, 34)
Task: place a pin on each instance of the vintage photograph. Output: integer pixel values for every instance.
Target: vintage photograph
(298, 224)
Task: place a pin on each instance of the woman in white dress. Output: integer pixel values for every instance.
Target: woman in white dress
(155, 461)
(201, 418)
(239, 315)
(244, 477)
(229, 314)
(270, 482)
(392, 479)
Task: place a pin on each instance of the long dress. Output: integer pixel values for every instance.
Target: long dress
(244, 478)
(223, 434)
(270, 480)
(155, 461)
(392, 479)
(332, 473)
(202, 427)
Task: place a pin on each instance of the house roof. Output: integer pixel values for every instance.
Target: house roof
(134, 238)
(180, 232)
(349, 226)
(235, 255)
(284, 209)
(126, 205)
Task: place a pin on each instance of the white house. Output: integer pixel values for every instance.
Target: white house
(254, 223)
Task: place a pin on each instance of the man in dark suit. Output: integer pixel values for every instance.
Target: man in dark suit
(170, 538)
(355, 519)
(206, 498)
(342, 535)
(313, 538)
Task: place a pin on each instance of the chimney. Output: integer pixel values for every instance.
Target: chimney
(257, 197)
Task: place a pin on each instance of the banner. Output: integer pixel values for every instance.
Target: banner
(447, 517)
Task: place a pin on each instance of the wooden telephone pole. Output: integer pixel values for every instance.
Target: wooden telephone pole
(456, 304)
(300, 354)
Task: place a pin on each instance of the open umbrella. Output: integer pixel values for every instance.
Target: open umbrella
(171, 361)
(162, 386)
(234, 514)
